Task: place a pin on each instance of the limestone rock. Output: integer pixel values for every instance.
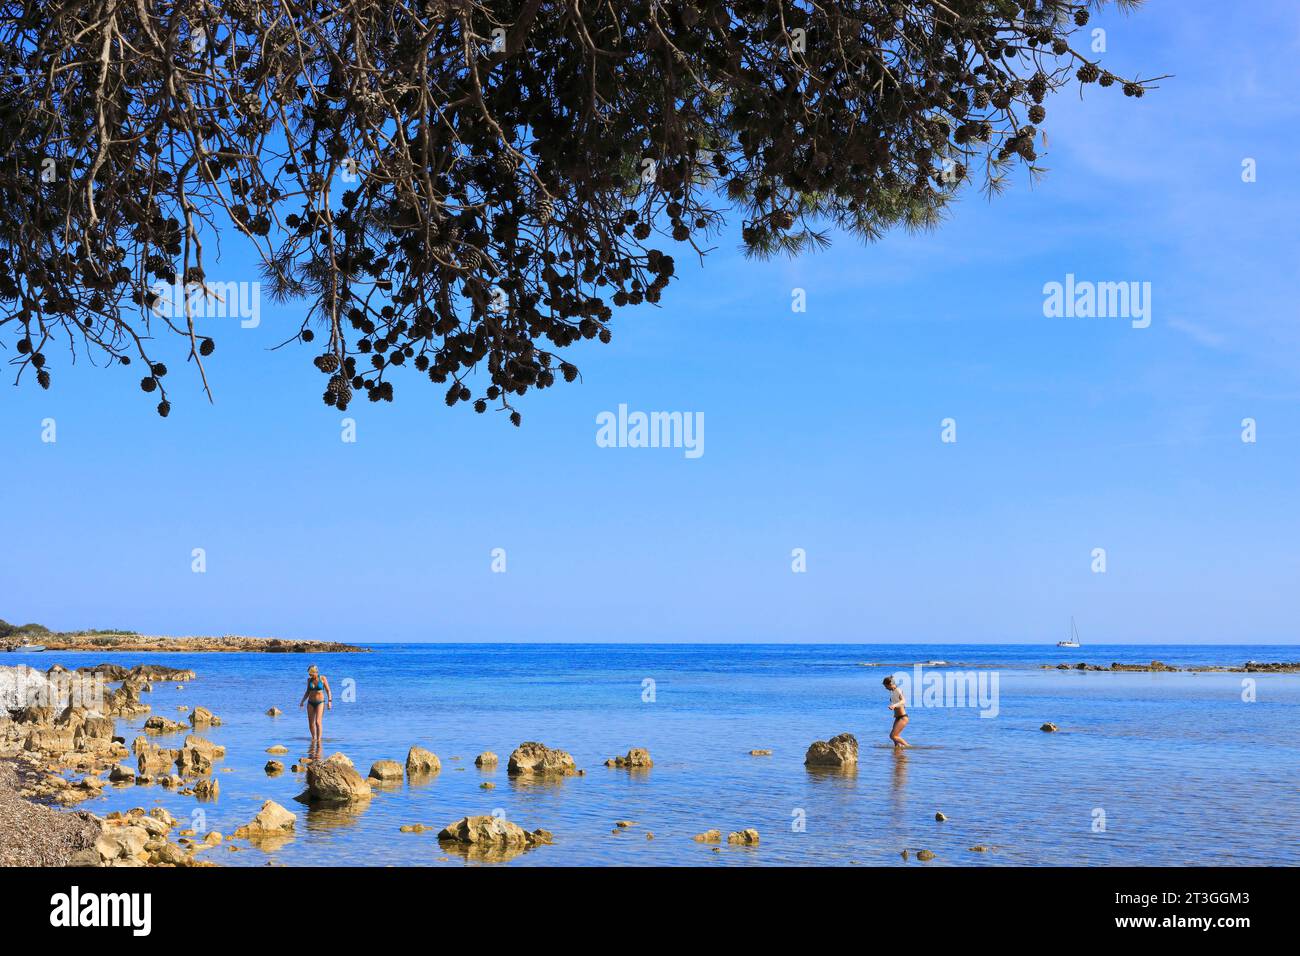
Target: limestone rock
(709, 836)
(121, 843)
(636, 759)
(202, 717)
(748, 837)
(386, 770)
(334, 780)
(152, 760)
(161, 725)
(271, 820)
(486, 759)
(840, 752)
(491, 831)
(537, 759)
(273, 767)
(421, 762)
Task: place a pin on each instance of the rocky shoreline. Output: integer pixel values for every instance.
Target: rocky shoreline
(1159, 667)
(143, 643)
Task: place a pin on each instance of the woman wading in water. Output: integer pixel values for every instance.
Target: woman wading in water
(899, 706)
(314, 698)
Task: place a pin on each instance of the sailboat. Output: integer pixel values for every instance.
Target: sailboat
(1074, 637)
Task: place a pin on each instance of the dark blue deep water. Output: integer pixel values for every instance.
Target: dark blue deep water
(1158, 769)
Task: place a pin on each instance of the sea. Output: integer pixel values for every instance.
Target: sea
(1152, 769)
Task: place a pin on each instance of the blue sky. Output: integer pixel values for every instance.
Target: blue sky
(822, 428)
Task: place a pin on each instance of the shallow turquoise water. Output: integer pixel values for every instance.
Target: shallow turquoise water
(1180, 768)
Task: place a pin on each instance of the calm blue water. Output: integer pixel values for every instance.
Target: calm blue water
(1180, 769)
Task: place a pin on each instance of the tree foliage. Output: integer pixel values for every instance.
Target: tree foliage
(469, 187)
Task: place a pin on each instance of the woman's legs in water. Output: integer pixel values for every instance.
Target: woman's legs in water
(314, 715)
(896, 734)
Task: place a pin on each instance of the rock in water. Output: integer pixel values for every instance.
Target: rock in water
(274, 712)
(271, 820)
(709, 836)
(334, 780)
(386, 770)
(747, 837)
(152, 760)
(1049, 728)
(201, 716)
(161, 725)
(637, 758)
(537, 759)
(760, 753)
(273, 767)
(491, 831)
(421, 762)
(486, 759)
(837, 753)
(925, 855)
(939, 817)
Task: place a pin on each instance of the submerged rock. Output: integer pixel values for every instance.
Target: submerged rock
(537, 759)
(708, 836)
(748, 837)
(839, 752)
(760, 753)
(636, 758)
(925, 855)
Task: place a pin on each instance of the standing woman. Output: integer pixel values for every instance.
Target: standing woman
(318, 688)
(899, 706)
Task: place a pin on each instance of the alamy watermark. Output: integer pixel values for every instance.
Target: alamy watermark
(626, 429)
(950, 688)
(1083, 299)
(209, 300)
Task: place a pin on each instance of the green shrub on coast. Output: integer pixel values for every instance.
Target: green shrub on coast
(22, 630)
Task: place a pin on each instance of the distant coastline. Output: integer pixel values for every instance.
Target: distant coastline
(14, 638)
(195, 645)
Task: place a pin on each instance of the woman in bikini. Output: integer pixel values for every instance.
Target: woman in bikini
(899, 706)
(315, 699)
